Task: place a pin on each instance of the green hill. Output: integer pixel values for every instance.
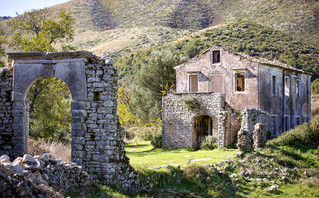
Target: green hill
(115, 28)
(242, 36)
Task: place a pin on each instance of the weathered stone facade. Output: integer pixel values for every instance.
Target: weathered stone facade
(280, 90)
(97, 138)
(179, 119)
(250, 117)
(6, 119)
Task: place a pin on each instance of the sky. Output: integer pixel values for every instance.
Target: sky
(10, 7)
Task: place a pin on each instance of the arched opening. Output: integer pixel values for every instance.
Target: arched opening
(203, 125)
(48, 109)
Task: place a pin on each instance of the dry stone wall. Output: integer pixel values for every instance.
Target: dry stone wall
(97, 138)
(6, 119)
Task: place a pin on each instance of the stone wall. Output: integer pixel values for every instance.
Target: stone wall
(6, 119)
(97, 138)
(250, 117)
(178, 118)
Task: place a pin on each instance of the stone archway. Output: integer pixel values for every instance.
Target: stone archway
(97, 138)
(202, 127)
(37, 66)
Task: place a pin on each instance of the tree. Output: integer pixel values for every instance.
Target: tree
(2, 41)
(34, 31)
(49, 99)
(153, 81)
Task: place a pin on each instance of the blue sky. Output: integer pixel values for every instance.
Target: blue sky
(10, 7)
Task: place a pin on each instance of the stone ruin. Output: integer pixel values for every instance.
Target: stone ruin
(97, 138)
(256, 128)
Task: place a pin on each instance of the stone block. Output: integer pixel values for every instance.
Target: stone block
(78, 105)
(81, 113)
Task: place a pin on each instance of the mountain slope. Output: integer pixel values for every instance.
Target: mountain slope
(117, 27)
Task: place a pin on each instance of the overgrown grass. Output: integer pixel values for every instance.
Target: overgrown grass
(143, 155)
(58, 150)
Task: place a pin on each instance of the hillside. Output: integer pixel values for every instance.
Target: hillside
(115, 28)
(242, 36)
(164, 20)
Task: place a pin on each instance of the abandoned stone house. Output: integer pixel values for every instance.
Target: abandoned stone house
(215, 87)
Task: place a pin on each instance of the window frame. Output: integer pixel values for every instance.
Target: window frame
(274, 87)
(296, 118)
(219, 53)
(289, 87)
(189, 82)
(288, 125)
(274, 116)
(298, 88)
(235, 80)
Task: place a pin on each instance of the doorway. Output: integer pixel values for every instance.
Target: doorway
(203, 125)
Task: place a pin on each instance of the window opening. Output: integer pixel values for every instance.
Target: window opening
(240, 81)
(193, 83)
(298, 88)
(274, 85)
(274, 120)
(287, 123)
(216, 57)
(298, 120)
(287, 87)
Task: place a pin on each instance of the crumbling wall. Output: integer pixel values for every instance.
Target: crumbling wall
(250, 117)
(6, 119)
(178, 118)
(97, 138)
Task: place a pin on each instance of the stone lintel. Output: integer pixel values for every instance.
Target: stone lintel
(49, 55)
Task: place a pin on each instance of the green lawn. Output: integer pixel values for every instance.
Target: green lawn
(143, 155)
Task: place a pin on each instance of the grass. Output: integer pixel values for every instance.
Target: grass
(58, 150)
(142, 155)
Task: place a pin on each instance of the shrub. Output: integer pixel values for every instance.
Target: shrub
(209, 143)
(157, 141)
(191, 103)
(304, 135)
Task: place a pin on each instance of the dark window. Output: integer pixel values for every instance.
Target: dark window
(287, 123)
(298, 120)
(298, 88)
(240, 81)
(274, 85)
(274, 120)
(216, 56)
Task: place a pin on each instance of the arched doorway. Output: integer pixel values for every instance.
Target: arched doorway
(48, 108)
(202, 127)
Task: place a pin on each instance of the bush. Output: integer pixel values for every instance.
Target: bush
(157, 141)
(304, 135)
(209, 143)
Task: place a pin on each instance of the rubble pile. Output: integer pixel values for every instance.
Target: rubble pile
(44, 176)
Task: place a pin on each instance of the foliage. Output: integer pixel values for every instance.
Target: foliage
(49, 110)
(152, 81)
(157, 141)
(34, 32)
(304, 135)
(126, 117)
(315, 87)
(209, 143)
(191, 102)
(49, 99)
(3, 41)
